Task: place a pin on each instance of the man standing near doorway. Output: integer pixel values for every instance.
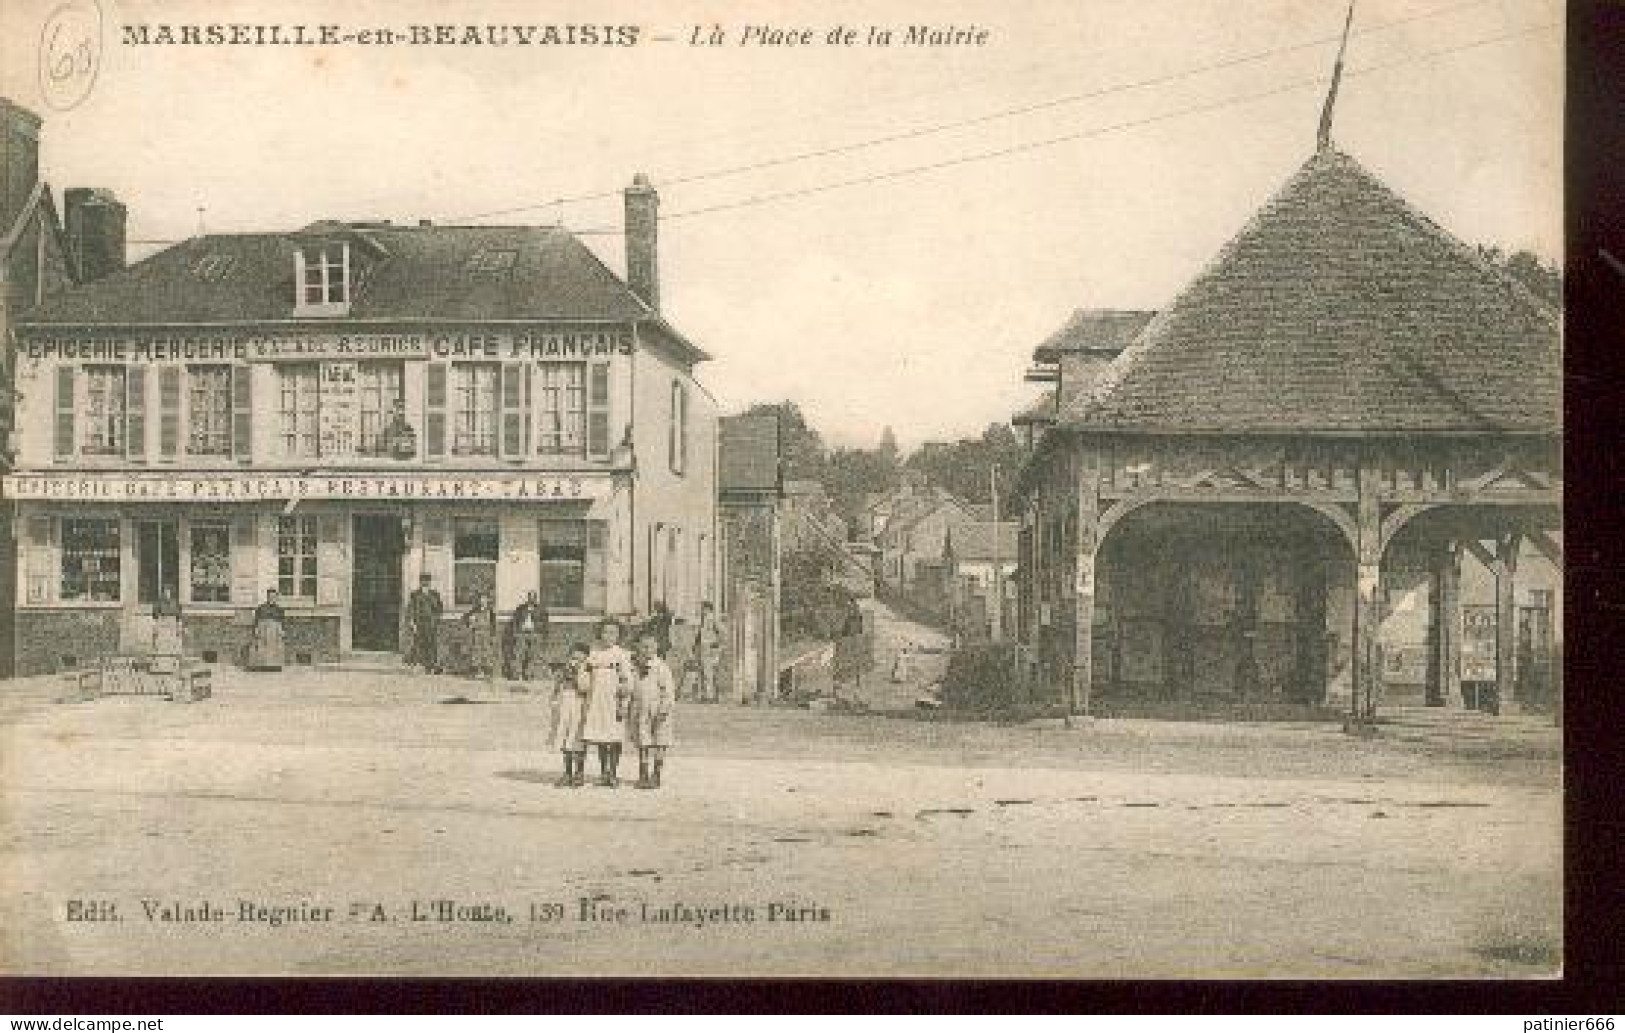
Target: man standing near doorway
(707, 652)
(423, 610)
(527, 634)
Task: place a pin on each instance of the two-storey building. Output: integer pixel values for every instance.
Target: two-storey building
(335, 411)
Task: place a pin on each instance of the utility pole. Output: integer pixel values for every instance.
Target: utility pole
(997, 609)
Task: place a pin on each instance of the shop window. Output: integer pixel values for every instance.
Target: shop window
(572, 564)
(104, 409)
(474, 408)
(296, 557)
(90, 560)
(299, 390)
(211, 563)
(474, 560)
(382, 390)
(561, 408)
(209, 392)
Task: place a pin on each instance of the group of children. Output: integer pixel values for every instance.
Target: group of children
(608, 697)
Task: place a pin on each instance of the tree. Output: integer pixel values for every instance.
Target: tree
(851, 474)
(963, 466)
(1543, 280)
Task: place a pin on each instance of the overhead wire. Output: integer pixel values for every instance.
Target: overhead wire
(983, 119)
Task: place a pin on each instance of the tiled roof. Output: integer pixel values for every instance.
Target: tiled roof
(413, 273)
(1093, 330)
(984, 540)
(911, 509)
(1338, 309)
(748, 450)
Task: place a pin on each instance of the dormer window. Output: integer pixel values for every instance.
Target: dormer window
(323, 274)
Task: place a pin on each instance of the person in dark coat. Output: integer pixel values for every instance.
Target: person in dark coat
(525, 636)
(659, 625)
(423, 610)
(266, 647)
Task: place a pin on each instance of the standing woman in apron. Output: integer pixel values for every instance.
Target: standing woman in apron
(609, 685)
(571, 685)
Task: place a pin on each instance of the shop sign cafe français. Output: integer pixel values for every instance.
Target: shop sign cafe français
(258, 487)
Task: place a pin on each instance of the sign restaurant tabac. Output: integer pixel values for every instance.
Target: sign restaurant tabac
(181, 486)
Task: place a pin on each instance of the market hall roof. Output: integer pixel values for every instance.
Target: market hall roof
(1338, 308)
(414, 274)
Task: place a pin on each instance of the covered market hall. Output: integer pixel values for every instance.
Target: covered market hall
(1294, 477)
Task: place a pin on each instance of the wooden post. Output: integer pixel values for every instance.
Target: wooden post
(1447, 634)
(1506, 623)
(1366, 655)
(1088, 523)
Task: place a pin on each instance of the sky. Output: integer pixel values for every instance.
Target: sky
(913, 300)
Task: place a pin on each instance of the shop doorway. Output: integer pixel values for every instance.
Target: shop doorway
(375, 589)
(158, 560)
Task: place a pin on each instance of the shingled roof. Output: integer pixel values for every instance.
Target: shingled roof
(421, 273)
(1093, 330)
(1338, 309)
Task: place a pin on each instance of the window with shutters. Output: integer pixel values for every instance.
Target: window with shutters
(677, 438)
(90, 560)
(299, 409)
(209, 410)
(296, 557)
(474, 559)
(169, 411)
(382, 390)
(474, 408)
(135, 416)
(561, 408)
(211, 562)
(515, 401)
(572, 575)
(598, 443)
(106, 393)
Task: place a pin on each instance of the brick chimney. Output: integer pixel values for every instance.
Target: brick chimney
(94, 223)
(642, 228)
(19, 160)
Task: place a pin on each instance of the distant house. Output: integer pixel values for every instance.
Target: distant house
(915, 533)
(750, 492)
(979, 560)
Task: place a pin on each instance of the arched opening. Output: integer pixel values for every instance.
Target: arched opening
(1223, 603)
(1452, 576)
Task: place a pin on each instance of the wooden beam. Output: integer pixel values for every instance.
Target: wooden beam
(1552, 550)
(1506, 631)
(1366, 666)
(1083, 642)
(1447, 634)
(1481, 554)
